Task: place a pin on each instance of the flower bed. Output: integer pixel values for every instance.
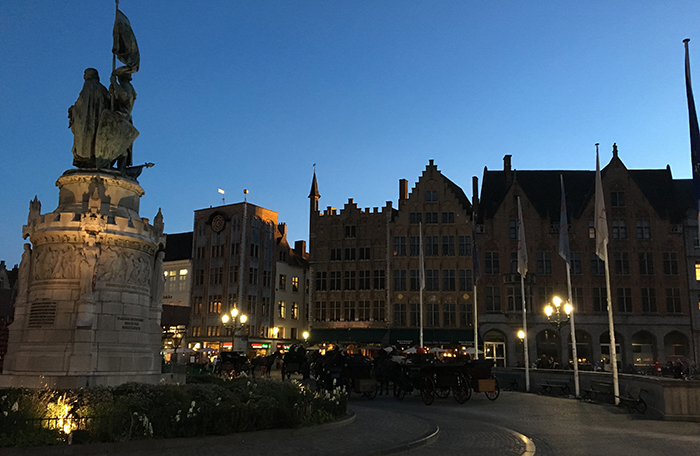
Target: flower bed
(140, 411)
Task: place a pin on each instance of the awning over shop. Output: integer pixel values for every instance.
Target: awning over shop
(402, 336)
(348, 336)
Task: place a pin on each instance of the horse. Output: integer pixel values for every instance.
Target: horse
(265, 363)
(294, 361)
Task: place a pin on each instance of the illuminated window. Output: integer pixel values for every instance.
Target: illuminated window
(295, 283)
(281, 309)
(697, 270)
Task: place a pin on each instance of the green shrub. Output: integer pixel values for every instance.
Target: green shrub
(140, 411)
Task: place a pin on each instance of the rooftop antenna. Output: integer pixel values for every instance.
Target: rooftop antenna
(223, 198)
(245, 192)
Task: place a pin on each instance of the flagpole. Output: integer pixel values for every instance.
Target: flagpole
(522, 269)
(421, 285)
(475, 275)
(565, 253)
(601, 228)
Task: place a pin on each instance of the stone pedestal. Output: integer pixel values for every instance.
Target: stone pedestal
(88, 305)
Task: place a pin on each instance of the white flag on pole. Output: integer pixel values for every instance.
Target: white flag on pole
(522, 248)
(601, 218)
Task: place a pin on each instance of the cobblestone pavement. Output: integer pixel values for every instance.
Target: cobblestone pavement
(514, 424)
(556, 426)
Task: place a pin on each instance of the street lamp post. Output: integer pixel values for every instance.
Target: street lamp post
(234, 323)
(554, 315)
(521, 336)
(558, 316)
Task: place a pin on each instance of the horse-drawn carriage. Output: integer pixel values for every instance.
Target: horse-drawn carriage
(450, 377)
(415, 374)
(295, 362)
(352, 372)
(481, 378)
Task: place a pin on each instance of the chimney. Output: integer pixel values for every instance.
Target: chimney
(403, 190)
(506, 167)
(475, 194)
(300, 247)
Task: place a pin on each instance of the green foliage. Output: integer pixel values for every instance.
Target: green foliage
(141, 411)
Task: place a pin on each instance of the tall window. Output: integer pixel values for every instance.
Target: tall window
(379, 282)
(378, 310)
(465, 245)
(544, 263)
(400, 280)
(334, 281)
(646, 263)
(321, 282)
(349, 280)
(448, 217)
(577, 298)
(363, 310)
(334, 311)
(253, 276)
(617, 199)
(673, 300)
(493, 299)
(431, 196)
(448, 279)
(350, 254)
(648, 300)
(643, 229)
(513, 262)
(466, 315)
(415, 245)
(600, 298)
(624, 300)
(513, 229)
(448, 245)
(320, 310)
(281, 309)
(365, 253)
(399, 314)
(597, 265)
(363, 280)
(465, 279)
(449, 315)
(350, 231)
(413, 315)
(336, 254)
(622, 263)
(282, 282)
(400, 245)
(670, 263)
(349, 310)
(432, 315)
(415, 280)
(619, 229)
(215, 276)
(576, 263)
(295, 311)
(295, 283)
(415, 217)
(431, 246)
(491, 263)
(431, 280)
(431, 217)
(697, 270)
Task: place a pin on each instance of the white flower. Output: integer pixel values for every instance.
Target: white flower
(15, 406)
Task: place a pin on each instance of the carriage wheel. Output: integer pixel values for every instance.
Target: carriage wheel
(371, 394)
(462, 392)
(442, 393)
(399, 393)
(427, 391)
(493, 395)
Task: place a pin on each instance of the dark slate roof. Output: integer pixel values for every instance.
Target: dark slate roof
(178, 247)
(542, 189)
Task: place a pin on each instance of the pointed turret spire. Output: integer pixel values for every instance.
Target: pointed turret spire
(313, 194)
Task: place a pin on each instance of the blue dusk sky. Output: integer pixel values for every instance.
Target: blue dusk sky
(250, 94)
